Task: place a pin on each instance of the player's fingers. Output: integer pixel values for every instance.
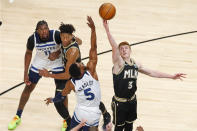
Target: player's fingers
(28, 83)
(183, 76)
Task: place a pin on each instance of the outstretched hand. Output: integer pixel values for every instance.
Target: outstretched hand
(48, 100)
(90, 23)
(179, 76)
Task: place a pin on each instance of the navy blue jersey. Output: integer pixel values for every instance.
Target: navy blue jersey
(74, 44)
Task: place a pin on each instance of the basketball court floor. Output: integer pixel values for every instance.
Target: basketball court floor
(163, 104)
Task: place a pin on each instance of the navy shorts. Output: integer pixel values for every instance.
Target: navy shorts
(34, 77)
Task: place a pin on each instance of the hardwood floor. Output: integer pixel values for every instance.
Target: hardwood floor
(163, 104)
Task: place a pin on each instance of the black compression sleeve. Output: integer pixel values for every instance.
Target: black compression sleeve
(30, 43)
(57, 37)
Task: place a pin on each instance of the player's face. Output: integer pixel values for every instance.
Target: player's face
(43, 32)
(125, 51)
(66, 38)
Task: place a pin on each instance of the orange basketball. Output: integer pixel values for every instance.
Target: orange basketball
(107, 11)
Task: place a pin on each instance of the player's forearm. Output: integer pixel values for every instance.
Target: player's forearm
(158, 74)
(111, 40)
(62, 76)
(93, 39)
(28, 56)
(58, 52)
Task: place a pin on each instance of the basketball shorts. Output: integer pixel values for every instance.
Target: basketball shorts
(124, 112)
(91, 114)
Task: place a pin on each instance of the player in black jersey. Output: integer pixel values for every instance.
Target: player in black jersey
(125, 72)
(71, 54)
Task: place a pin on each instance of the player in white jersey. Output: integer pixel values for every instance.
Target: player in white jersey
(47, 43)
(43, 49)
(85, 83)
(88, 95)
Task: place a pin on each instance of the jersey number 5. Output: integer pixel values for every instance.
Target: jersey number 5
(88, 93)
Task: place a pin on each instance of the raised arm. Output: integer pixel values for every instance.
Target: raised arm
(116, 58)
(91, 65)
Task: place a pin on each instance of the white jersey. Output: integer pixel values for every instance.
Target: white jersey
(88, 95)
(43, 49)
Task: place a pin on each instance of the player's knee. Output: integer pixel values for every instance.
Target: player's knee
(28, 89)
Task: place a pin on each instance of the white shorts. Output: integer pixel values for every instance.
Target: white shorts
(91, 114)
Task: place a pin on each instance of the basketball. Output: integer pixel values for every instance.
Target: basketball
(107, 11)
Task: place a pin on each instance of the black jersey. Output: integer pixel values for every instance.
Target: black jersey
(125, 82)
(74, 44)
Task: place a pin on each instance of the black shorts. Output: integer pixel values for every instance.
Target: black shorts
(124, 112)
(59, 83)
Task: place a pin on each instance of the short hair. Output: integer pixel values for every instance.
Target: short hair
(124, 43)
(74, 71)
(66, 28)
(41, 22)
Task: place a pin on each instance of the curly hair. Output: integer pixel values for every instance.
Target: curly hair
(66, 28)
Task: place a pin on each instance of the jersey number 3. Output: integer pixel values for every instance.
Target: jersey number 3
(88, 93)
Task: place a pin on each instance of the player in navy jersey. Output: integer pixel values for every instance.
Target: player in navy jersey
(125, 71)
(48, 44)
